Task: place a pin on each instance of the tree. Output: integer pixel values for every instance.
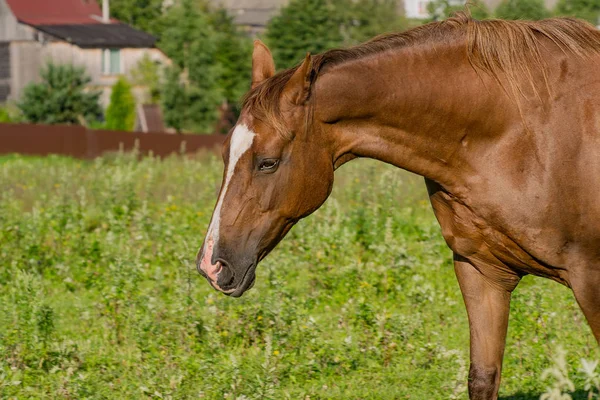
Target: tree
(191, 42)
(304, 26)
(120, 114)
(174, 100)
(522, 9)
(442, 9)
(584, 9)
(147, 73)
(234, 55)
(142, 14)
(61, 97)
(369, 18)
(318, 25)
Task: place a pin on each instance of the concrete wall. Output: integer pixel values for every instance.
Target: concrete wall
(10, 28)
(29, 57)
(25, 62)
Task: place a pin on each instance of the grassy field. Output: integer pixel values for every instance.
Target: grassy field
(99, 297)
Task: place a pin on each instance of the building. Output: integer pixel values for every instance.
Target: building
(252, 15)
(78, 32)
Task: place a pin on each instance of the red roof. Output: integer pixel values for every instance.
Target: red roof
(56, 12)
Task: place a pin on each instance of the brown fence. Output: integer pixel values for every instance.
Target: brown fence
(77, 141)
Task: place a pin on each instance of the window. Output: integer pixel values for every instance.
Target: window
(111, 61)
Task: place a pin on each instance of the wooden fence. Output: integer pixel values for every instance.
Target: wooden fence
(80, 142)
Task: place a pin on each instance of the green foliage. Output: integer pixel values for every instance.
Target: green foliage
(234, 54)
(584, 9)
(120, 114)
(174, 100)
(304, 26)
(142, 14)
(61, 97)
(148, 74)
(10, 113)
(190, 40)
(522, 9)
(4, 116)
(100, 298)
(369, 18)
(442, 9)
(318, 25)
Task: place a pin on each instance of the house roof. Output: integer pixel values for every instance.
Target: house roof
(56, 12)
(78, 22)
(100, 35)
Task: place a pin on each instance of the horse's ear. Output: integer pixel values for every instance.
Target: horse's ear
(263, 66)
(297, 90)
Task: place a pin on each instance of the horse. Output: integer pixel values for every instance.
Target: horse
(501, 118)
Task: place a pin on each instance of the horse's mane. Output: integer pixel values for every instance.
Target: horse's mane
(500, 48)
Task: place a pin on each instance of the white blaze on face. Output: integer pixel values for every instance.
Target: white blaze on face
(241, 141)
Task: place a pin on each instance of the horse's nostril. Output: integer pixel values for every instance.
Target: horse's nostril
(226, 276)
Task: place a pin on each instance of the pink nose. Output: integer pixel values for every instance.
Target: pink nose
(211, 270)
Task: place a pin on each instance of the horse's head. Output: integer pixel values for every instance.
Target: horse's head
(277, 171)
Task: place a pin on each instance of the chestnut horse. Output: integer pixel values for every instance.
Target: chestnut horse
(501, 118)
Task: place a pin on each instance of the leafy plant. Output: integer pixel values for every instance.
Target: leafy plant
(191, 42)
(120, 114)
(62, 97)
(561, 382)
(148, 74)
(100, 298)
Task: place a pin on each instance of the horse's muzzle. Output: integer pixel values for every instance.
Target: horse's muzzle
(223, 277)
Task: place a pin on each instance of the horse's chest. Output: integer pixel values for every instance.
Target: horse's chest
(498, 256)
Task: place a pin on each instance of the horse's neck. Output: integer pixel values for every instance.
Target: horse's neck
(417, 109)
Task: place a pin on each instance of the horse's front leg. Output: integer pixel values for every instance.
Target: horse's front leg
(488, 306)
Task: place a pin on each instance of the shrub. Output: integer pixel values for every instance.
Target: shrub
(120, 114)
(61, 98)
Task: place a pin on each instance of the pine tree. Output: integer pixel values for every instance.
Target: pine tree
(120, 114)
(522, 9)
(61, 97)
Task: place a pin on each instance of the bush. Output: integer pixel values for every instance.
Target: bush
(9, 113)
(61, 98)
(120, 114)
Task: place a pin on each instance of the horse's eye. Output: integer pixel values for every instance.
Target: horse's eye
(268, 165)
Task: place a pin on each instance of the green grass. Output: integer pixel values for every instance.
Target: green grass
(99, 297)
